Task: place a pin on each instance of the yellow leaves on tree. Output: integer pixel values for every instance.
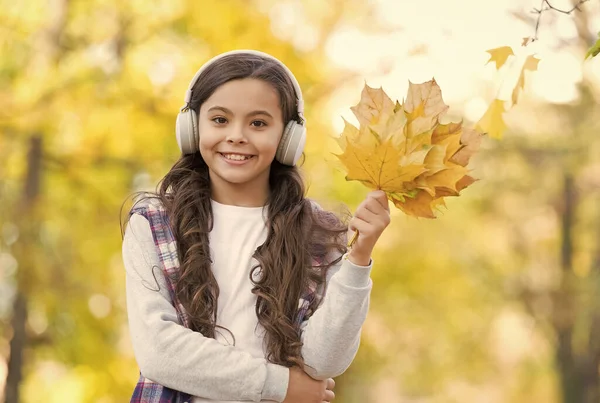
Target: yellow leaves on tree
(404, 150)
(531, 64)
(492, 121)
(500, 55)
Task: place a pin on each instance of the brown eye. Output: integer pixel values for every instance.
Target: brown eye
(219, 120)
(258, 123)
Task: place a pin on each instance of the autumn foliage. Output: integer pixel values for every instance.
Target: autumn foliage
(404, 149)
(492, 121)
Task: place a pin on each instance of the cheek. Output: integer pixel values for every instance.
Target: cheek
(206, 141)
(206, 146)
(271, 142)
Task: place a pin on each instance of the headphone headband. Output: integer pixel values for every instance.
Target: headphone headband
(299, 99)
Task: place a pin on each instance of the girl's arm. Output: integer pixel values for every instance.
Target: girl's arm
(332, 334)
(177, 357)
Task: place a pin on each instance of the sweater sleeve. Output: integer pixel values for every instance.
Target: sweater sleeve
(175, 356)
(331, 336)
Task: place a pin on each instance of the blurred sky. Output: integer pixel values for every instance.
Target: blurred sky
(447, 40)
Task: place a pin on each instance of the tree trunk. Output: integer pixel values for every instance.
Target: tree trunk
(563, 320)
(26, 217)
(48, 53)
(589, 380)
(17, 345)
(592, 379)
(578, 373)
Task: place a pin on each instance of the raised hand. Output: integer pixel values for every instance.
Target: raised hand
(370, 219)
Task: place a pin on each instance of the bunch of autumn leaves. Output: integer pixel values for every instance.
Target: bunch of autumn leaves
(404, 150)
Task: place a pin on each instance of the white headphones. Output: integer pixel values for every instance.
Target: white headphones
(292, 141)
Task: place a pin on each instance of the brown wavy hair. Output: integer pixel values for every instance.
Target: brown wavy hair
(299, 234)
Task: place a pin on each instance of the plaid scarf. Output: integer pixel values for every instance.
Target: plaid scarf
(147, 391)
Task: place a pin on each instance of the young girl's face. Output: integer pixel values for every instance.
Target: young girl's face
(240, 127)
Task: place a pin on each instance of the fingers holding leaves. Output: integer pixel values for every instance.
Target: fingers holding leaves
(370, 219)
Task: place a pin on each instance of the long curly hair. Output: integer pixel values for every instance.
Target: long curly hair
(303, 241)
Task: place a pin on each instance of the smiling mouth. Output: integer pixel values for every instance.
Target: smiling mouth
(236, 157)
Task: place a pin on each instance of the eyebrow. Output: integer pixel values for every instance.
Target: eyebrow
(253, 113)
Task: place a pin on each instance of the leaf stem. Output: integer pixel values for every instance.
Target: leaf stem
(353, 240)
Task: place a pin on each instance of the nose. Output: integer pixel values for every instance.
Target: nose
(236, 135)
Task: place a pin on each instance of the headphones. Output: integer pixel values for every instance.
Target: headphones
(292, 141)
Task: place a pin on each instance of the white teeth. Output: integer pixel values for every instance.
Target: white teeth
(236, 157)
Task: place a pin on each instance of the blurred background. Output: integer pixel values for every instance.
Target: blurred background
(497, 300)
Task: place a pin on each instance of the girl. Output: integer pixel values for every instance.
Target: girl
(228, 263)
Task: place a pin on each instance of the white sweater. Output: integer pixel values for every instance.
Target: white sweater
(215, 370)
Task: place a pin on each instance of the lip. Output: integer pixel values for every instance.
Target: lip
(235, 153)
(235, 162)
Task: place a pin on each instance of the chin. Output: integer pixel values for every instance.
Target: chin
(238, 178)
(235, 179)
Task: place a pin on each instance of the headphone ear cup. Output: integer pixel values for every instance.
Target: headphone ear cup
(186, 129)
(195, 131)
(291, 144)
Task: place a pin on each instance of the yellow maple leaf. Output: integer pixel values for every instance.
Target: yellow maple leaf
(492, 121)
(361, 138)
(449, 134)
(374, 108)
(531, 64)
(424, 101)
(500, 55)
(418, 206)
(379, 167)
(470, 140)
(404, 150)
